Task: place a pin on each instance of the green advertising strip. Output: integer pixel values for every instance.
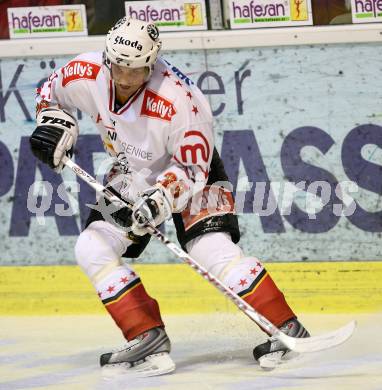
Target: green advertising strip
(281, 19)
(368, 15)
(40, 30)
(242, 20)
(165, 24)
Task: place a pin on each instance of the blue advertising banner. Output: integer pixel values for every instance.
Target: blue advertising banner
(299, 130)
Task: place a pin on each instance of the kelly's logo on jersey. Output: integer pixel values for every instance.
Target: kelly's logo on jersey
(77, 70)
(157, 106)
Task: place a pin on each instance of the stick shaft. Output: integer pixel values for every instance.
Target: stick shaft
(310, 344)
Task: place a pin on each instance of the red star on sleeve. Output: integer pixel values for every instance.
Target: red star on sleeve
(243, 282)
(195, 109)
(166, 74)
(124, 280)
(177, 82)
(111, 289)
(189, 94)
(133, 274)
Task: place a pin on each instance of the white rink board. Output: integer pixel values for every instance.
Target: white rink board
(264, 96)
(211, 352)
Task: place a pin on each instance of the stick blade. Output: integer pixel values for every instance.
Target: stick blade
(318, 343)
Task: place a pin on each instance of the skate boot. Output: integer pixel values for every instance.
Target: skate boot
(146, 355)
(270, 353)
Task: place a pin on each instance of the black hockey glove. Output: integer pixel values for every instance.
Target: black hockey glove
(123, 217)
(44, 141)
(54, 137)
(153, 206)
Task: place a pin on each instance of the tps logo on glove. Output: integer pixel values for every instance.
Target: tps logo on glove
(58, 121)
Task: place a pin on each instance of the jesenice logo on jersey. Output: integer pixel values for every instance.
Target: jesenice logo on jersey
(77, 70)
(157, 106)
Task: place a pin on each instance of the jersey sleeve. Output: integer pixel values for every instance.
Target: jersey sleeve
(190, 144)
(52, 93)
(64, 87)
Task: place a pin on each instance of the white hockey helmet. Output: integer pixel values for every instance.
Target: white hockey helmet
(132, 43)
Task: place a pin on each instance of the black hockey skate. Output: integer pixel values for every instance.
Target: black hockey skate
(146, 355)
(270, 353)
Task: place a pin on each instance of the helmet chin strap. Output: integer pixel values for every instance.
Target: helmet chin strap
(108, 74)
(151, 69)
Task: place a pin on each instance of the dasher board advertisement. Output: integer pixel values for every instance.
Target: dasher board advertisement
(300, 138)
(267, 13)
(366, 11)
(52, 21)
(173, 15)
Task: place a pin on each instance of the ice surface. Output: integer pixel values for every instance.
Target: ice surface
(212, 351)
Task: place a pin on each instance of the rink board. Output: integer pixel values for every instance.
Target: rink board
(282, 116)
(330, 287)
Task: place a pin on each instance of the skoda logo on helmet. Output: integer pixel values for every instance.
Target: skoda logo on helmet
(118, 40)
(132, 43)
(153, 31)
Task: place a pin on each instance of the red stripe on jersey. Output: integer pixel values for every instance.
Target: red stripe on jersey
(111, 96)
(131, 100)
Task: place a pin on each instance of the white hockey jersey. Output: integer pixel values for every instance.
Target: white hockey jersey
(165, 128)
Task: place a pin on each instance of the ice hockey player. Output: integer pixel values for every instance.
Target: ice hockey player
(157, 126)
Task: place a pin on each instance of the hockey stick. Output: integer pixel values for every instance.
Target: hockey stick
(309, 344)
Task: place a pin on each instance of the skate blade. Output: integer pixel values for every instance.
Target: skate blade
(153, 365)
(271, 360)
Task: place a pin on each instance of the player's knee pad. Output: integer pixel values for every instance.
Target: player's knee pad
(90, 248)
(96, 248)
(215, 251)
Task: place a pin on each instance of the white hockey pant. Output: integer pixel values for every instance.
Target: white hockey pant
(99, 249)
